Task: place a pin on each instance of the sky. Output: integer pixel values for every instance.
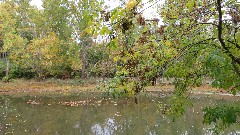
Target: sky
(148, 13)
(37, 3)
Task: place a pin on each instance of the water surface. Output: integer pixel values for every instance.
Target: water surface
(81, 114)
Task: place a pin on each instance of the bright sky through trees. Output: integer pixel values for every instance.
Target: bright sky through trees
(148, 12)
(37, 3)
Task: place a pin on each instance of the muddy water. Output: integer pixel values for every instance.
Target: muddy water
(81, 114)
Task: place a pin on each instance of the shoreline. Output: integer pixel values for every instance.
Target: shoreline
(32, 87)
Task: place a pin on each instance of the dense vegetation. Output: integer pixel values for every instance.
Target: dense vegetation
(58, 41)
(199, 39)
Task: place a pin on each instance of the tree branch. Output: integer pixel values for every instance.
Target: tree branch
(237, 45)
(234, 36)
(220, 39)
(236, 68)
(184, 50)
(208, 23)
(150, 6)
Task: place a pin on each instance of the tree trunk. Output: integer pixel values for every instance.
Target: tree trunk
(84, 53)
(87, 42)
(40, 70)
(7, 68)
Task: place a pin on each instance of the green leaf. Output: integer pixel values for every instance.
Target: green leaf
(111, 45)
(234, 92)
(168, 43)
(104, 30)
(190, 5)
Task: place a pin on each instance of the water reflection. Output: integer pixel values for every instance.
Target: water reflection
(50, 116)
(107, 129)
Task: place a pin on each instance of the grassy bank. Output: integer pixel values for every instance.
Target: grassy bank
(79, 85)
(49, 85)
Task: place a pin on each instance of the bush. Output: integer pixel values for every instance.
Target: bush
(2, 68)
(18, 72)
(5, 79)
(15, 71)
(99, 62)
(103, 69)
(97, 53)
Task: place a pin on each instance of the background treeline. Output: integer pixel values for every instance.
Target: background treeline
(198, 40)
(56, 41)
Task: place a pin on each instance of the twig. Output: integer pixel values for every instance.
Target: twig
(208, 23)
(150, 6)
(237, 45)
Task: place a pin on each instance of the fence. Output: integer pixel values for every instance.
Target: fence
(3, 55)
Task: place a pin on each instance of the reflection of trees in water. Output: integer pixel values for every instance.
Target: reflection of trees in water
(2, 116)
(108, 128)
(124, 118)
(8, 115)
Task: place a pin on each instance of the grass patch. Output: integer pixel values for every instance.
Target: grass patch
(68, 86)
(49, 85)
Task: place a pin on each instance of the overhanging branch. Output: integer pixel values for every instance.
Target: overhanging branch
(237, 45)
(235, 61)
(184, 50)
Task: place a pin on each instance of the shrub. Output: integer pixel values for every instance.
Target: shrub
(2, 68)
(15, 71)
(99, 62)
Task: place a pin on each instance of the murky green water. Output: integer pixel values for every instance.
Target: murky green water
(90, 115)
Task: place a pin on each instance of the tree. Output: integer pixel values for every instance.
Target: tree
(207, 44)
(84, 20)
(12, 42)
(58, 17)
(45, 55)
(24, 22)
(28, 28)
(204, 33)
(195, 42)
(139, 54)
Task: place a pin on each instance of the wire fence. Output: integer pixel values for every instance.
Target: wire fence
(3, 55)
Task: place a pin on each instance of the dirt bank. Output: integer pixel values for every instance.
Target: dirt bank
(70, 86)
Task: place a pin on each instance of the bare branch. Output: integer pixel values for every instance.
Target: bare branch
(150, 6)
(208, 23)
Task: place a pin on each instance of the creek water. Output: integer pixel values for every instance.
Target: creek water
(93, 114)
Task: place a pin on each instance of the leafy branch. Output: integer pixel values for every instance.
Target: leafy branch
(235, 60)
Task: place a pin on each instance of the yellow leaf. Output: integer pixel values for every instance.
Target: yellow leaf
(168, 43)
(116, 59)
(131, 4)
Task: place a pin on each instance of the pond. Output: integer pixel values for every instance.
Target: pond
(91, 114)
